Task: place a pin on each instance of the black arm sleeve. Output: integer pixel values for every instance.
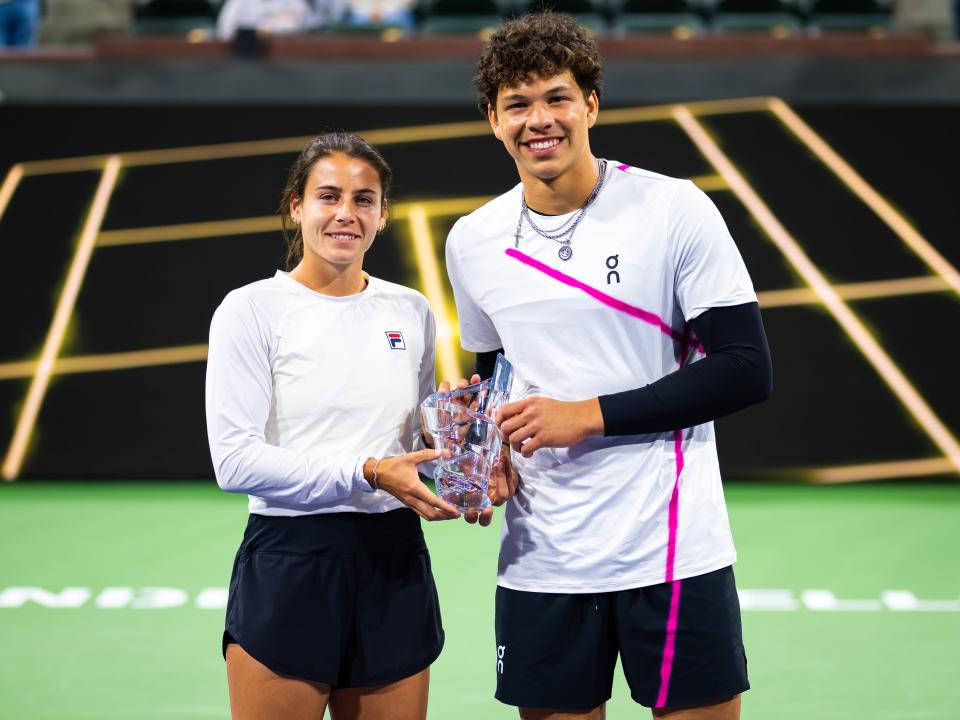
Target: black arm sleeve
(485, 363)
(735, 373)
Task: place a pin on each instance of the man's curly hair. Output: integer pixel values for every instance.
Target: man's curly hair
(544, 44)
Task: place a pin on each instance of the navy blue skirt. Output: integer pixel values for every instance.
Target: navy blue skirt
(346, 599)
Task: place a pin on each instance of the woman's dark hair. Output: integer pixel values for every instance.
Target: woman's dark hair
(322, 146)
(544, 44)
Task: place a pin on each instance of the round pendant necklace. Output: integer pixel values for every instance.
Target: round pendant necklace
(564, 233)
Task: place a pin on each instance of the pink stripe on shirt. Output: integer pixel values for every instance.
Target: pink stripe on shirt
(687, 342)
(673, 516)
(608, 300)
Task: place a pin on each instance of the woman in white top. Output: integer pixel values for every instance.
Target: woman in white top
(313, 380)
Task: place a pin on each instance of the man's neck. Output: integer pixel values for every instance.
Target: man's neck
(564, 193)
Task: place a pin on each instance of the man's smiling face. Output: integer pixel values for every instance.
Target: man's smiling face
(543, 123)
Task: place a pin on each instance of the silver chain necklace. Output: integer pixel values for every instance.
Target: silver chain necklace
(564, 233)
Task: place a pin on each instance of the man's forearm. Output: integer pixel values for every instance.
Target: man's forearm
(735, 373)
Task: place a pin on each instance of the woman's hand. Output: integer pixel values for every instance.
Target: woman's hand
(398, 476)
(445, 387)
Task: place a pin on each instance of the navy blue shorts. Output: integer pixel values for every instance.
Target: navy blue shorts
(346, 599)
(558, 651)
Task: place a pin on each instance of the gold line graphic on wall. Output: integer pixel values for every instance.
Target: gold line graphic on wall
(270, 223)
(433, 288)
(267, 223)
(188, 231)
(648, 113)
(769, 299)
(10, 182)
(870, 197)
(61, 318)
(385, 136)
(110, 361)
(890, 470)
(710, 183)
(851, 324)
(255, 148)
(855, 291)
(947, 278)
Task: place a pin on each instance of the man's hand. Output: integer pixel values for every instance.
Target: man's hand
(504, 484)
(398, 476)
(538, 422)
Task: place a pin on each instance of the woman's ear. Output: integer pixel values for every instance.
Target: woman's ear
(384, 214)
(295, 209)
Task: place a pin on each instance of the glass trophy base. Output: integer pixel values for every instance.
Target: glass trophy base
(463, 492)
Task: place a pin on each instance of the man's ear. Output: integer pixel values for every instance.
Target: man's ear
(494, 121)
(593, 108)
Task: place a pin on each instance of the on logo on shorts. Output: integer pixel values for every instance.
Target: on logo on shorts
(501, 651)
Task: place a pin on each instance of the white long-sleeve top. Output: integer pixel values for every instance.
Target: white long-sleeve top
(303, 387)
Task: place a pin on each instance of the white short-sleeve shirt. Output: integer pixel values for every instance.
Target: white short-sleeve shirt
(303, 387)
(650, 254)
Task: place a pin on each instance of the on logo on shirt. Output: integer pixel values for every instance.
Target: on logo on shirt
(395, 338)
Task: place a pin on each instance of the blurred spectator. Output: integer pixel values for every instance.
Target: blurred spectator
(277, 17)
(380, 12)
(18, 22)
(82, 21)
(930, 17)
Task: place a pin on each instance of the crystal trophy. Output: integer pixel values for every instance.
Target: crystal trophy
(462, 424)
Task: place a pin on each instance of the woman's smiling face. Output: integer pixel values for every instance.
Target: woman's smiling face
(340, 212)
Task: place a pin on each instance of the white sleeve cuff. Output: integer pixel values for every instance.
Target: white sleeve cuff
(359, 482)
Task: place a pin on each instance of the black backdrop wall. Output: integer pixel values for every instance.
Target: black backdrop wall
(121, 410)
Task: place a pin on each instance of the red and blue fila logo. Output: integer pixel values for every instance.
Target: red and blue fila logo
(395, 338)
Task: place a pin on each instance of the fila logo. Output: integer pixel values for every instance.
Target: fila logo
(395, 338)
(501, 651)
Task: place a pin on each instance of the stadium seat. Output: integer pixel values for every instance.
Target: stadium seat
(459, 17)
(856, 15)
(383, 30)
(174, 17)
(679, 17)
(593, 14)
(774, 16)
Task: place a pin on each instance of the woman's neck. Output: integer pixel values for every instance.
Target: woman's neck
(328, 279)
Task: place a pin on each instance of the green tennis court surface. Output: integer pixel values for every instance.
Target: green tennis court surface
(851, 603)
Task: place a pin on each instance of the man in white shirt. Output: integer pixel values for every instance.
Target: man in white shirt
(630, 319)
(276, 17)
